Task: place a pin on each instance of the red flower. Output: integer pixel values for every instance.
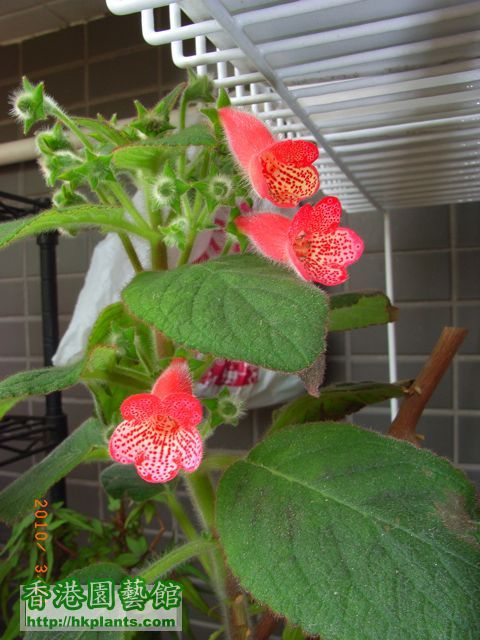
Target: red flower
(278, 171)
(159, 434)
(312, 242)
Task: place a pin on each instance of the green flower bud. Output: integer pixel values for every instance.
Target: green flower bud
(175, 234)
(53, 140)
(163, 191)
(30, 104)
(54, 166)
(230, 409)
(220, 187)
(66, 197)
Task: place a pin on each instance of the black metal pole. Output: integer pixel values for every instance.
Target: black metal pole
(56, 420)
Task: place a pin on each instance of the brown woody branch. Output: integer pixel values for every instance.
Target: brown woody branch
(404, 425)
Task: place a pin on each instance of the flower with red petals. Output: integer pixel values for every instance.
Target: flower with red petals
(282, 171)
(158, 434)
(312, 242)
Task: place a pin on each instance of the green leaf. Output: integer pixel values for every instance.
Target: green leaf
(16, 500)
(359, 309)
(292, 633)
(168, 102)
(72, 218)
(120, 479)
(237, 307)
(38, 382)
(6, 405)
(99, 571)
(199, 88)
(335, 402)
(103, 130)
(146, 157)
(223, 99)
(351, 534)
(197, 134)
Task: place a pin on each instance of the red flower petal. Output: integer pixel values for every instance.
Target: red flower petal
(140, 407)
(184, 408)
(287, 184)
(127, 441)
(268, 232)
(160, 460)
(175, 378)
(166, 451)
(247, 136)
(323, 257)
(320, 218)
(190, 447)
(299, 153)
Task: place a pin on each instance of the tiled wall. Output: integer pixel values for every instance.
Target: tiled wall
(101, 67)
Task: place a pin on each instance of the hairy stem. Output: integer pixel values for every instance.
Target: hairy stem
(404, 425)
(131, 253)
(124, 199)
(176, 556)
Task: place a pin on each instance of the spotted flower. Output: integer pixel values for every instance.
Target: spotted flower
(281, 171)
(312, 242)
(159, 432)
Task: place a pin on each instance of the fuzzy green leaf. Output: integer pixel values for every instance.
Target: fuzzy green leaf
(72, 219)
(197, 134)
(358, 309)
(351, 534)
(37, 382)
(335, 402)
(16, 500)
(237, 307)
(146, 157)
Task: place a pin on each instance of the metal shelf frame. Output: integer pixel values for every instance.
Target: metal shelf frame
(23, 436)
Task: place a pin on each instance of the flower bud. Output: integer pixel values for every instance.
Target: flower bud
(55, 165)
(175, 234)
(30, 104)
(163, 191)
(66, 197)
(220, 187)
(53, 140)
(230, 409)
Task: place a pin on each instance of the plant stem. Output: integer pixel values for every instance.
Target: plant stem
(120, 379)
(177, 556)
(131, 253)
(185, 255)
(203, 498)
(181, 125)
(125, 200)
(74, 128)
(181, 516)
(404, 425)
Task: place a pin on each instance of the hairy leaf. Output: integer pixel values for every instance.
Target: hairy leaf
(16, 500)
(359, 309)
(197, 134)
(71, 218)
(37, 382)
(237, 307)
(149, 157)
(351, 534)
(336, 401)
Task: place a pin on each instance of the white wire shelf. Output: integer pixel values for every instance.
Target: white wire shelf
(390, 91)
